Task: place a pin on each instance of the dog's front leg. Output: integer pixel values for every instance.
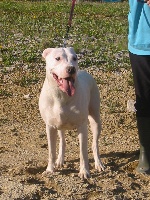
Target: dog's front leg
(83, 140)
(51, 137)
(96, 129)
(62, 145)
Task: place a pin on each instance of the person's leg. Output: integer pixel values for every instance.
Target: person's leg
(141, 75)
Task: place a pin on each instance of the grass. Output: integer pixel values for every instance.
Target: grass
(98, 32)
(4, 93)
(26, 78)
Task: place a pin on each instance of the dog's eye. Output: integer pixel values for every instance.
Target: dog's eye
(58, 58)
(75, 58)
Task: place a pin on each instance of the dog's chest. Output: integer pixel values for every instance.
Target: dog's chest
(67, 117)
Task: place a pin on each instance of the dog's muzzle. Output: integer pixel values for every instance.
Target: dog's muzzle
(66, 84)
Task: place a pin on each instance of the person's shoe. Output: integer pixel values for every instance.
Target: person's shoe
(143, 125)
(143, 165)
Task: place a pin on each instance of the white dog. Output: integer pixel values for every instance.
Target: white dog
(68, 99)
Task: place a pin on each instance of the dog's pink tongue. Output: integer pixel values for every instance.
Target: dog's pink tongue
(68, 86)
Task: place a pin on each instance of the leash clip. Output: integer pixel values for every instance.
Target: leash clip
(66, 36)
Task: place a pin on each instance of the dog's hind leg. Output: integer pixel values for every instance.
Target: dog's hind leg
(51, 137)
(96, 129)
(62, 145)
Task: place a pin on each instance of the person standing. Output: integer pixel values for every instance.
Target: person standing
(139, 53)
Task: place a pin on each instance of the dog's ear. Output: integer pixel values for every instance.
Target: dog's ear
(46, 52)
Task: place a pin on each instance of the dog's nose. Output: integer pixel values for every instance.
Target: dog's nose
(71, 70)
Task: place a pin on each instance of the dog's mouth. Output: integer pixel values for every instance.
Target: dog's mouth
(66, 84)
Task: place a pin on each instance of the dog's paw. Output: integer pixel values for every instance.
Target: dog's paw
(59, 162)
(50, 168)
(99, 166)
(47, 173)
(84, 174)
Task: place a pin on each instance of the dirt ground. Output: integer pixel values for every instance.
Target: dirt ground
(24, 152)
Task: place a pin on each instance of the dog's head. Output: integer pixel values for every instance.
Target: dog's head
(62, 65)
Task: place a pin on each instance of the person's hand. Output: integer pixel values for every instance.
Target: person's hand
(148, 2)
